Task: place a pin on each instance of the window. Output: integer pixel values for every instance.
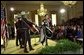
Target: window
(36, 20)
(54, 19)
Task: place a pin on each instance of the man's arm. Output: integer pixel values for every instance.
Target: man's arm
(28, 22)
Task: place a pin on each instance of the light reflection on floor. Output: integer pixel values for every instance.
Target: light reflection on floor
(13, 49)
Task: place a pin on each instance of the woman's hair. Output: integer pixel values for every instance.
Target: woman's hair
(46, 15)
(43, 20)
(18, 18)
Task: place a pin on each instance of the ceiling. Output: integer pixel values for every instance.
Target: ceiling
(34, 2)
(56, 3)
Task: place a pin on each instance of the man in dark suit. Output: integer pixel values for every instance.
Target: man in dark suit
(18, 28)
(26, 34)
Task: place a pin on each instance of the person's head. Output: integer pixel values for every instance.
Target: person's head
(19, 18)
(43, 20)
(78, 26)
(74, 27)
(59, 27)
(62, 27)
(23, 14)
(78, 29)
(46, 16)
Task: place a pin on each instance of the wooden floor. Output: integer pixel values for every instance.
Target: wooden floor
(13, 49)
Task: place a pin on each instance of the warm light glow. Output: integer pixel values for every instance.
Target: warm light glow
(69, 3)
(54, 19)
(2, 42)
(12, 9)
(36, 20)
(42, 11)
(62, 10)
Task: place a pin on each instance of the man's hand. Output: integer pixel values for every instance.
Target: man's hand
(36, 28)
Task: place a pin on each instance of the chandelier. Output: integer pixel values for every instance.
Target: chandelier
(69, 3)
(42, 11)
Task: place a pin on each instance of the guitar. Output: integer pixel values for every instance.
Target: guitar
(49, 32)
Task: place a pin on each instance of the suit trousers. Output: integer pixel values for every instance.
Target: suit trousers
(25, 38)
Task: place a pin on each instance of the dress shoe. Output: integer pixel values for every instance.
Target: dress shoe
(42, 43)
(25, 51)
(17, 45)
(31, 49)
(21, 47)
(46, 45)
(2, 46)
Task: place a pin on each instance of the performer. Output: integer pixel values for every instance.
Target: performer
(25, 32)
(18, 26)
(25, 27)
(44, 28)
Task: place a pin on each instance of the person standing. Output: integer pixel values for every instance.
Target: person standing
(25, 33)
(12, 30)
(19, 36)
(45, 25)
